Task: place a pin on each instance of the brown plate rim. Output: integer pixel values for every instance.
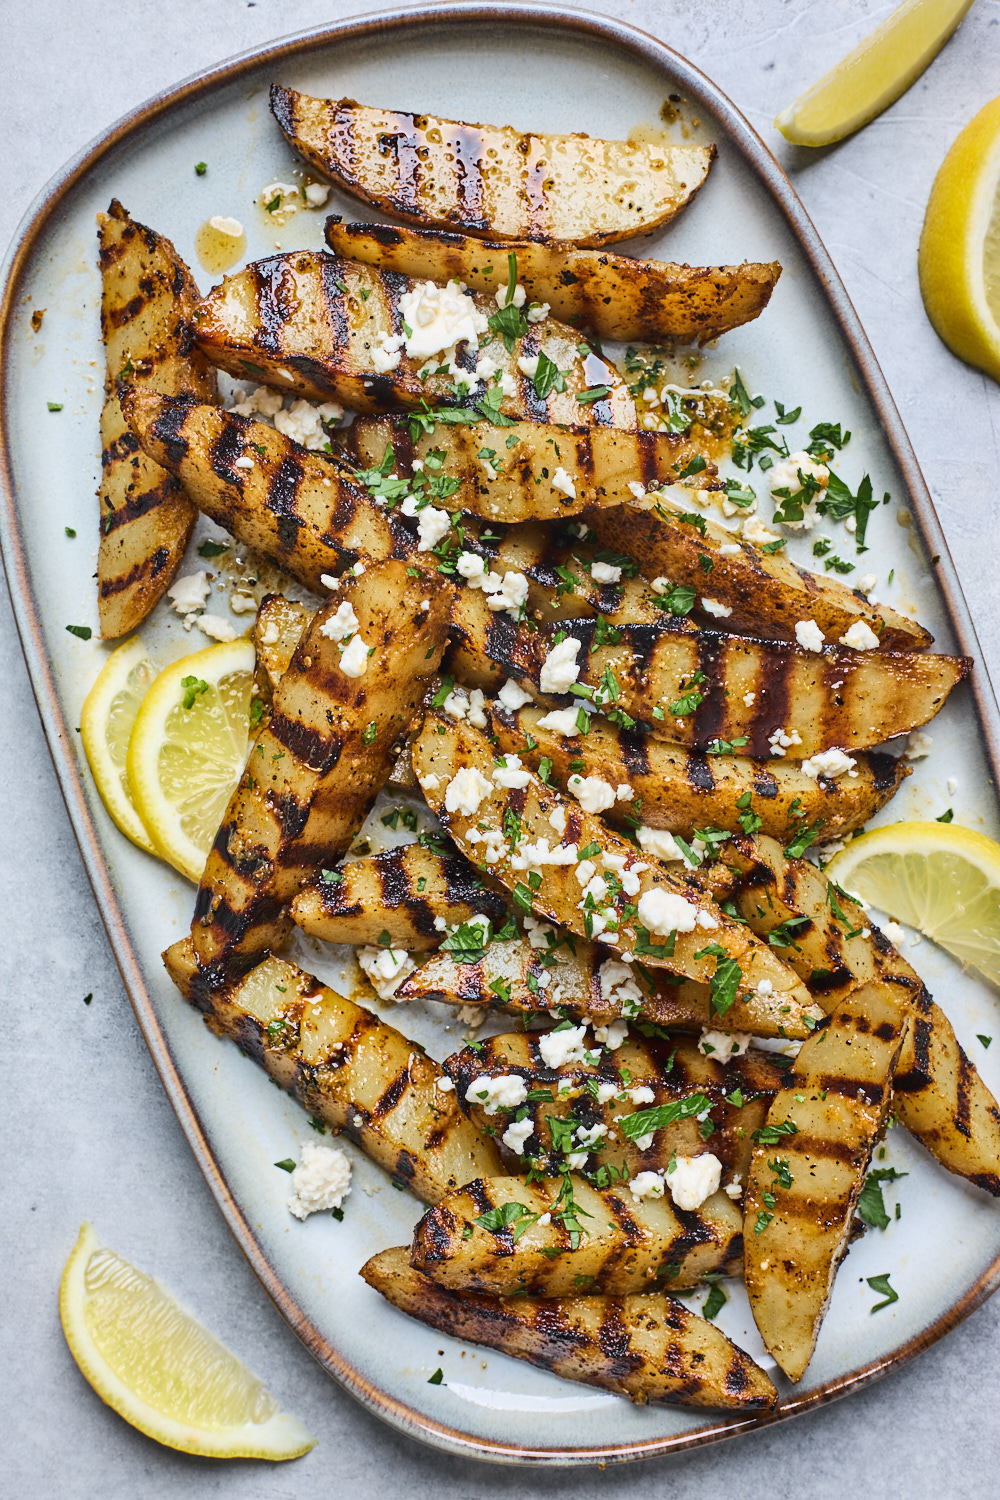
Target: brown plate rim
(743, 138)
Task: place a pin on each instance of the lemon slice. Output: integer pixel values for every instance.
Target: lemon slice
(162, 1371)
(105, 726)
(937, 877)
(959, 259)
(873, 76)
(188, 748)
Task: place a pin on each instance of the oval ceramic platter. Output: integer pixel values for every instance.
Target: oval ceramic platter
(553, 71)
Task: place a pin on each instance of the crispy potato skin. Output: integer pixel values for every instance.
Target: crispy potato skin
(682, 790)
(490, 179)
(311, 774)
(670, 1069)
(344, 1065)
(517, 484)
(939, 1095)
(648, 1347)
(576, 988)
(289, 320)
(627, 1245)
(767, 593)
(879, 694)
(613, 295)
(302, 511)
(838, 1098)
(400, 892)
(147, 297)
(444, 747)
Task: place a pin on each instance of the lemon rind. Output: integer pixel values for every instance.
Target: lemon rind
(282, 1436)
(93, 716)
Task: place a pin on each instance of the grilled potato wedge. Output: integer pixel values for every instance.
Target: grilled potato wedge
(767, 593)
(682, 790)
(805, 1182)
(516, 977)
(316, 766)
(299, 322)
(752, 689)
(492, 179)
(455, 763)
(939, 1095)
(598, 1240)
(612, 295)
(147, 297)
(650, 1347)
(278, 628)
(298, 509)
(517, 481)
(739, 1090)
(398, 899)
(344, 1065)
(559, 569)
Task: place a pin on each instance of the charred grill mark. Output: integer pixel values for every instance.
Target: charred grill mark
(168, 427)
(140, 502)
(634, 753)
(109, 587)
(699, 772)
(405, 1169)
(965, 1076)
(117, 317)
(391, 1096)
(291, 816)
(282, 492)
(318, 751)
(764, 784)
(695, 1232)
(820, 1148)
(478, 1191)
(462, 885)
(851, 1088)
(226, 449)
(613, 1338)
(122, 447)
(331, 271)
(469, 151)
(884, 769)
(711, 715)
(773, 701)
(435, 1234)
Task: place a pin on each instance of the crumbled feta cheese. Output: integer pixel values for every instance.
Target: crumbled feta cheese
(592, 792)
(512, 696)
(243, 604)
(354, 657)
(190, 592)
(603, 572)
(749, 699)
(860, 637)
(588, 1136)
(723, 1044)
(561, 721)
(785, 476)
(694, 1179)
(537, 312)
(471, 566)
(303, 422)
(386, 352)
(809, 635)
(505, 1092)
(564, 483)
(385, 969)
(439, 318)
(510, 592)
(517, 1133)
(528, 365)
(557, 820)
(516, 300)
(918, 744)
(733, 1189)
(952, 785)
(231, 227)
(243, 463)
(663, 911)
(317, 193)
(638, 490)
(430, 783)
(658, 842)
(894, 932)
(538, 933)
(585, 871)
(262, 401)
(612, 1036)
(618, 987)
(779, 741)
(730, 549)
(713, 607)
(216, 627)
(755, 532)
(647, 1185)
(556, 1048)
(270, 634)
(560, 669)
(432, 524)
(511, 774)
(341, 625)
(466, 791)
(445, 1084)
(828, 763)
(321, 1181)
(329, 582)
(867, 582)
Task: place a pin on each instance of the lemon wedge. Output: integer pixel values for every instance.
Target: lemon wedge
(873, 76)
(959, 258)
(162, 1371)
(188, 748)
(105, 726)
(940, 878)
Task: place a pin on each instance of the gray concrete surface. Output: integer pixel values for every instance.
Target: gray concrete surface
(88, 1131)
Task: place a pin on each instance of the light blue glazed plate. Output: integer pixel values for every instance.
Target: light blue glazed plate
(545, 69)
